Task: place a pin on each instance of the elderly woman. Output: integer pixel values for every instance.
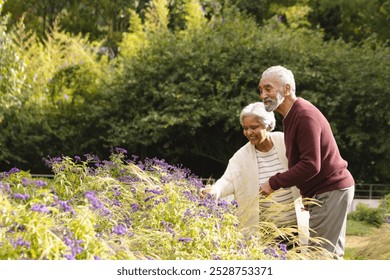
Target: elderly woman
(252, 165)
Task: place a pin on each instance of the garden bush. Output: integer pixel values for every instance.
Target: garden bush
(364, 213)
(123, 209)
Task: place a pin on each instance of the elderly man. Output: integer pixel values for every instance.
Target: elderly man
(315, 165)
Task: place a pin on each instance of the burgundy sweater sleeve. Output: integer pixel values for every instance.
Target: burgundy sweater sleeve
(303, 149)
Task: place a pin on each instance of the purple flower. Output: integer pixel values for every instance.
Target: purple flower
(189, 196)
(185, 239)
(75, 247)
(96, 202)
(134, 207)
(96, 258)
(26, 182)
(116, 202)
(271, 252)
(168, 226)
(6, 187)
(70, 257)
(6, 174)
(119, 229)
(21, 196)
(93, 159)
(40, 208)
(13, 170)
(128, 179)
(283, 247)
(148, 198)
(21, 243)
(187, 213)
(116, 192)
(195, 182)
(65, 206)
(120, 150)
(50, 162)
(40, 183)
(155, 191)
(222, 202)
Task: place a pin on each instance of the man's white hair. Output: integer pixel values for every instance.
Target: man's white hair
(257, 110)
(284, 74)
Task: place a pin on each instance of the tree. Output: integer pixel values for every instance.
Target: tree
(352, 20)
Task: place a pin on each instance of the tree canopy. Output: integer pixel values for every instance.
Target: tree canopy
(168, 79)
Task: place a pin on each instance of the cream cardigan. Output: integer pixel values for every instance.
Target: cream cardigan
(241, 179)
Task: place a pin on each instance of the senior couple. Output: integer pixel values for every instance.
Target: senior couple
(304, 161)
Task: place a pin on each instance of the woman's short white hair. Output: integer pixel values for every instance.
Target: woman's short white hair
(257, 110)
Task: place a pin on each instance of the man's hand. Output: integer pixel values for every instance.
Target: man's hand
(265, 189)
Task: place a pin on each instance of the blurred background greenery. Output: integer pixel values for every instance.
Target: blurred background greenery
(168, 78)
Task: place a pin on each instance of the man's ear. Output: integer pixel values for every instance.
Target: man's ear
(287, 89)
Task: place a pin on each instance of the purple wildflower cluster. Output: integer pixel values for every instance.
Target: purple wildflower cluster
(75, 247)
(270, 251)
(119, 230)
(134, 207)
(185, 240)
(96, 203)
(168, 226)
(169, 172)
(35, 183)
(52, 161)
(64, 205)
(6, 174)
(21, 196)
(5, 187)
(40, 208)
(129, 214)
(20, 243)
(16, 228)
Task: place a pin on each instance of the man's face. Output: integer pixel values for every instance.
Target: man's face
(271, 92)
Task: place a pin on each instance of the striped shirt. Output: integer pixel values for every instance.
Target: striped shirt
(281, 200)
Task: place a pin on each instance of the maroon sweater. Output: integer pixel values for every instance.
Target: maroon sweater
(314, 161)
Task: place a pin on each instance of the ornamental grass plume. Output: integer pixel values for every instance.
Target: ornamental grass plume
(377, 246)
(121, 209)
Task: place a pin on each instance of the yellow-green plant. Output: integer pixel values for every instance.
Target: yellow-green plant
(377, 246)
(123, 209)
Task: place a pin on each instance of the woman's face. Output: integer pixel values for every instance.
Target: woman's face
(254, 130)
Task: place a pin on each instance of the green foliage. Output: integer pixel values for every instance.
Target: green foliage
(61, 76)
(118, 209)
(180, 79)
(12, 76)
(165, 104)
(364, 213)
(385, 205)
(352, 20)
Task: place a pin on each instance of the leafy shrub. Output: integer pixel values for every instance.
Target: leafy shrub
(364, 213)
(120, 209)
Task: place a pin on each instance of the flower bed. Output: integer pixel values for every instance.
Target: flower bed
(123, 209)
